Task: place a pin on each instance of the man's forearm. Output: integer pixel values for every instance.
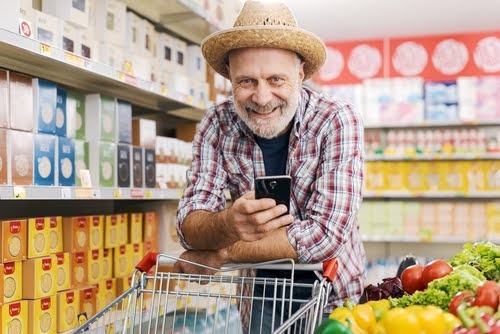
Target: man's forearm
(207, 230)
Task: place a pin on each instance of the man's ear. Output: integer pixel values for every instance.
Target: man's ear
(301, 71)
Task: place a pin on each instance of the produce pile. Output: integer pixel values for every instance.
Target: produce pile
(460, 296)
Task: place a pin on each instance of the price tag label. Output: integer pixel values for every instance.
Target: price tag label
(65, 193)
(45, 50)
(19, 193)
(73, 59)
(180, 193)
(163, 90)
(149, 194)
(83, 193)
(117, 193)
(120, 75)
(189, 99)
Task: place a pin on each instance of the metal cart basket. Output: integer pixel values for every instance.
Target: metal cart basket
(159, 301)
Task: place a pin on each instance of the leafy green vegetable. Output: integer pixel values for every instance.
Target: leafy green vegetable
(483, 255)
(440, 292)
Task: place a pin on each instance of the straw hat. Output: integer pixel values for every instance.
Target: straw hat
(269, 25)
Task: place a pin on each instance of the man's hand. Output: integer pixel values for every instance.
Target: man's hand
(214, 259)
(250, 219)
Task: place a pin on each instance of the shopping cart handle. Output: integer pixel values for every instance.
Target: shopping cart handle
(147, 262)
(330, 268)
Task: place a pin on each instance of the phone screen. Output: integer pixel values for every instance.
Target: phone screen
(276, 187)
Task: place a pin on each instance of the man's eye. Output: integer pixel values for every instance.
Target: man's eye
(276, 80)
(246, 81)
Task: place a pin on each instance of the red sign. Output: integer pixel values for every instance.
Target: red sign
(352, 62)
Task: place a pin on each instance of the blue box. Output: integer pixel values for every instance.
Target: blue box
(66, 161)
(61, 117)
(45, 101)
(44, 153)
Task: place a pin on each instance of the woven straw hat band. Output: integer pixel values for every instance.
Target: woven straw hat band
(254, 13)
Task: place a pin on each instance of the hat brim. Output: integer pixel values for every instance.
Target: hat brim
(216, 46)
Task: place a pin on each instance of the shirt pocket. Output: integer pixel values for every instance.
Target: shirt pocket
(239, 173)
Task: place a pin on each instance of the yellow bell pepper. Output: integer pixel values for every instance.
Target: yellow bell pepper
(345, 316)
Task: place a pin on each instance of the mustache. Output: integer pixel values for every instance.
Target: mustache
(252, 106)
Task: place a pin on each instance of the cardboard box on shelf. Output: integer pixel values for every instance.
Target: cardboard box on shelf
(144, 132)
(149, 168)
(120, 261)
(44, 159)
(70, 37)
(13, 317)
(12, 281)
(95, 266)
(41, 277)
(124, 120)
(4, 163)
(96, 232)
(38, 237)
(102, 163)
(76, 233)
(26, 18)
(111, 238)
(65, 161)
(21, 102)
(55, 234)
(123, 228)
(123, 153)
(63, 271)
(165, 52)
(14, 238)
(108, 19)
(79, 269)
(20, 153)
(75, 114)
(106, 293)
(4, 99)
(107, 263)
(135, 227)
(60, 115)
(150, 232)
(87, 301)
(101, 111)
(47, 29)
(492, 175)
(138, 167)
(75, 11)
(42, 315)
(68, 308)
(9, 10)
(82, 157)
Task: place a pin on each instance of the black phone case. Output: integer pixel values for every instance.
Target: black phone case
(275, 187)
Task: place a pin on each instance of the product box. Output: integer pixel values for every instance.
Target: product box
(9, 10)
(4, 163)
(44, 154)
(75, 11)
(107, 263)
(4, 99)
(106, 293)
(47, 29)
(41, 277)
(492, 168)
(124, 116)
(102, 163)
(109, 21)
(76, 116)
(44, 106)
(454, 176)
(21, 102)
(149, 168)
(66, 161)
(96, 232)
(81, 159)
(26, 18)
(20, 150)
(38, 237)
(180, 52)
(196, 66)
(70, 37)
(122, 228)
(144, 132)
(138, 167)
(14, 317)
(123, 152)
(79, 272)
(101, 111)
(55, 234)
(12, 281)
(42, 315)
(151, 232)
(111, 231)
(13, 235)
(88, 44)
(120, 261)
(68, 308)
(63, 271)
(113, 56)
(87, 301)
(136, 252)
(61, 119)
(95, 266)
(135, 227)
(76, 234)
(165, 52)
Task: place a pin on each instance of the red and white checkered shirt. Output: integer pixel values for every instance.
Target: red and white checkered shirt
(325, 161)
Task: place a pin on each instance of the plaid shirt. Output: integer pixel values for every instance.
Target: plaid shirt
(325, 160)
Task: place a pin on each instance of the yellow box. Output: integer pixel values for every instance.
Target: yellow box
(96, 232)
(492, 168)
(38, 237)
(151, 232)
(375, 176)
(87, 301)
(433, 174)
(122, 229)
(40, 276)
(107, 263)
(476, 176)
(76, 234)
(56, 234)
(136, 256)
(95, 266)
(13, 234)
(414, 174)
(135, 227)
(453, 176)
(106, 293)
(63, 271)
(79, 269)
(12, 281)
(111, 231)
(68, 308)
(14, 317)
(120, 261)
(123, 284)
(42, 315)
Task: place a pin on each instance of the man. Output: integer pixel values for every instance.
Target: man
(271, 126)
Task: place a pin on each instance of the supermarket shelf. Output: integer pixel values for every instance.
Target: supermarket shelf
(416, 239)
(185, 18)
(430, 195)
(433, 124)
(29, 56)
(465, 156)
(74, 193)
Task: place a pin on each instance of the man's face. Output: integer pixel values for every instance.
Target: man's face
(266, 88)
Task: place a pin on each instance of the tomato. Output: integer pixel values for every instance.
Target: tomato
(411, 278)
(465, 296)
(434, 270)
(487, 294)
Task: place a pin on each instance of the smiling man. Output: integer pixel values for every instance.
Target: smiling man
(272, 125)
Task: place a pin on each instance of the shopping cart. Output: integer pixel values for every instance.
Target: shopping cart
(160, 301)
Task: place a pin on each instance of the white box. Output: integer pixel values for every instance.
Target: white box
(26, 18)
(47, 29)
(165, 51)
(75, 11)
(180, 54)
(109, 19)
(100, 111)
(102, 163)
(10, 12)
(44, 106)
(70, 37)
(82, 157)
(141, 67)
(88, 46)
(4, 99)
(111, 55)
(75, 115)
(151, 41)
(196, 66)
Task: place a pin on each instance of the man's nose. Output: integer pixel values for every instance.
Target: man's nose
(262, 95)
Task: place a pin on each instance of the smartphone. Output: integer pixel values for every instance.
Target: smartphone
(277, 187)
